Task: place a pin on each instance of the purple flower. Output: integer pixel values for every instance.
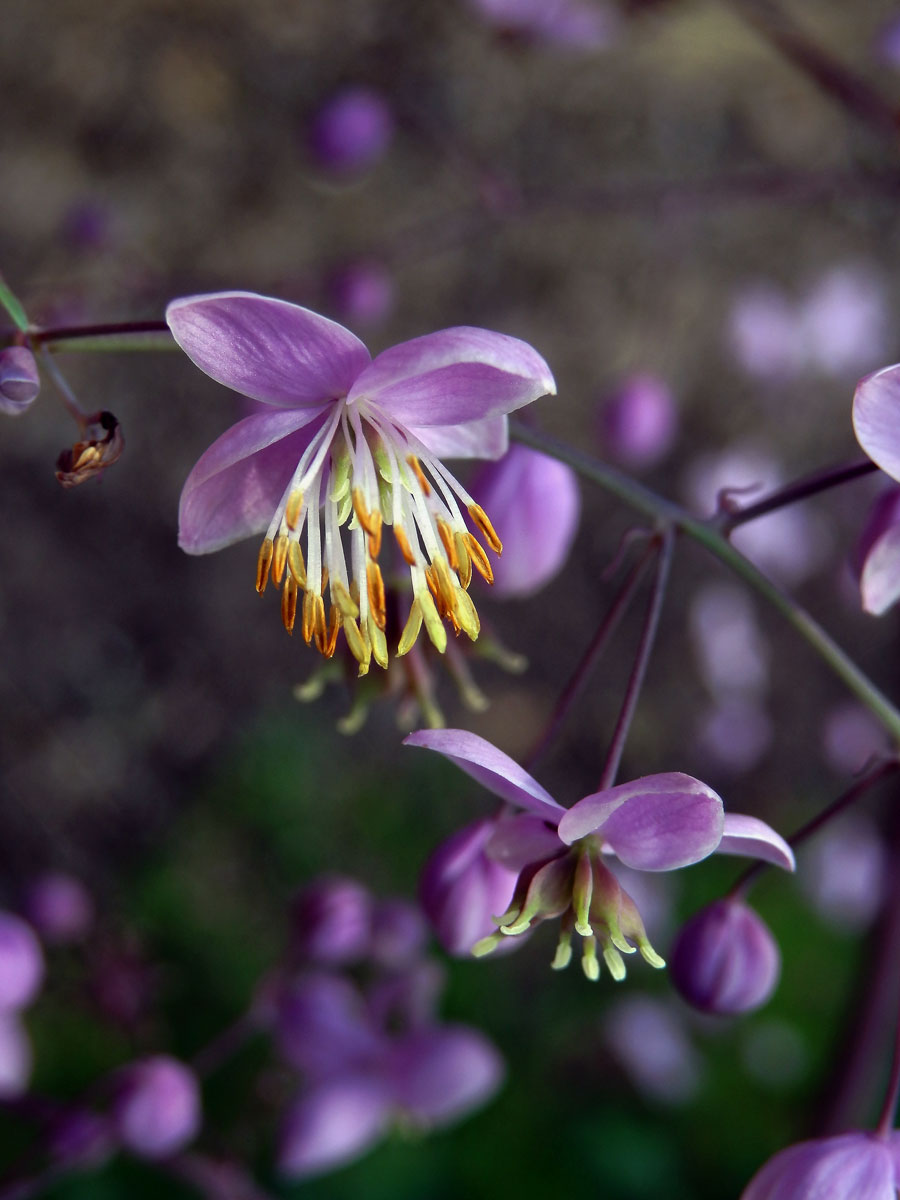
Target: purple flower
(876, 418)
(362, 1073)
(362, 292)
(352, 440)
(462, 888)
(352, 130)
(657, 823)
(19, 380)
(59, 907)
(157, 1107)
(21, 963)
(877, 555)
(536, 502)
(332, 921)
(725, 960)
(639, 421)
(850, 1166)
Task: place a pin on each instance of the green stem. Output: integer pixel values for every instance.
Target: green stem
(637, 496)
(13, 307)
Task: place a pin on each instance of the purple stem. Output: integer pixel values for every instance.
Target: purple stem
(791, 493)
(589, 660)
(641, 660)
(90, 331)
(889, 1109)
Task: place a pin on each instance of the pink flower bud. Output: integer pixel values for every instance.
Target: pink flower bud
(21, 963)
(19, 380)
(725, 960)
(332, 921)
(59, 907)
(461, 889)
(639, 421)
(352, 130)
(157, 1108)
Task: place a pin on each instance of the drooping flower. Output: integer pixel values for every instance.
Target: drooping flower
(19, 380)
(877, 555)
(350, 440)
(657, 823)
(863, 1165)
(876, 418)
(725, 960)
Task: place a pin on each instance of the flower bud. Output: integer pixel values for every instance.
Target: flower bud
(19, 380)
(725, 960)
(332, 921)
(535, 502)
(852, 1166)
(157, 1108)
(461, 889)
(59, 907)
(639, 421)
(21, 963)
(352, 130)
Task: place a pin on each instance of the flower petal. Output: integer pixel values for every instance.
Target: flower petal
(332, 1124)
(879, 581)
(267, 349)
(657, 823)
(456, 375)
(442, 1073)
(755, 839)
(876, 418)
(491, 767)
(521, 839)
(488, 438)
(235, 487)
(852, 1164)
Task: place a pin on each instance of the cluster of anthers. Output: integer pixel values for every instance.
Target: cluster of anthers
(364, 472)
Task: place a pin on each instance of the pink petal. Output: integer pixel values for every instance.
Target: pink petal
(267, 349)
(876, 418)
(235, 487)
(755, 839)
(491, 767)
(657, 823)
(331, 1125)
(522, 839)
(488, 438)
(879, 582)
(835, 1168)
(454, 376)
(442, 1073)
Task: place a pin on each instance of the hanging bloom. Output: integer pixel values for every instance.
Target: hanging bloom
(877, 555)
(863, 1165)
(876, 418)
(350, 440)
(657, 823)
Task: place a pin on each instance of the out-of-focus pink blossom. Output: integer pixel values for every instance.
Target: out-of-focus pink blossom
(851, 736)
(735, 733)
(650, 1044)
(844, 321)
(21, 963)
(331, 921)
(887, 42)
(639, 421)
(535, 503)
(156, 1110)
(731, 652)
(398, 933)
(844, 872)
(852, 1166)
(352, 130)
(568, 24)
(361, 293)
(59, 907)
(725, 960)
(15, 1056)
(763, 333)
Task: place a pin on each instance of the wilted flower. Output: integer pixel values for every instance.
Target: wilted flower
(156, 1111)
(639, 421)
(657, 823)
(352, 130)
(350, 440)
(19, 380)
(100, 445)
(536, 502)
(852, 1166)
(725, 960)
(21, 963)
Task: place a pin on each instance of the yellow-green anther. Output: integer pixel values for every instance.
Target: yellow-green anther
(340, 477)
(434, 626)
(649, 954)
(589, 963)
(582, 891)
(563, 955)
(486, 944)
(614, 962)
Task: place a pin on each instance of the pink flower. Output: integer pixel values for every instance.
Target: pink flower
(350, 441)
(851, 1165)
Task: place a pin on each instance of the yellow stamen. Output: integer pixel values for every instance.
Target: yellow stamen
(379, 642)
(464, 561)
(410, 629)
(360, 649)
(405, 548)
(482, 520)
(370, 521)
(296, 565)
(292, 508)
(375, 536)
(280, 557)
(263, 562)
(431, 580)
(449, 545)
(433, 626)
(308, 619)
(419, 474)
(289, 603)
(446, 585)
(320, 624)
(479, 557)
(375, 587)
(467, 614)
(344, 601)
(334, 628)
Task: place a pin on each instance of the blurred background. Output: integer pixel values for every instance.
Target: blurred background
(701, 239)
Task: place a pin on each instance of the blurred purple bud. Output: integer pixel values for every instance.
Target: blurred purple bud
(407, 999)
(876, 556)
(15, 1057)
(156, 1111)
(21, 963)
(639, 421)
(764, 333)
(844, 322)
(323, 1027)
(725, 960)
(535, 504)
(332, 1124)
(352, 130)
(852, 1166)
(461, 889)
(851, 736)
(649, 1043)
(59, 907)
(732, 653)
(361, 293)
(398, 933)
(440, 1074)
(85, 226)
(19, 380)
(568, 24)
(332, 921)
(845, 873)
(735, 733)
